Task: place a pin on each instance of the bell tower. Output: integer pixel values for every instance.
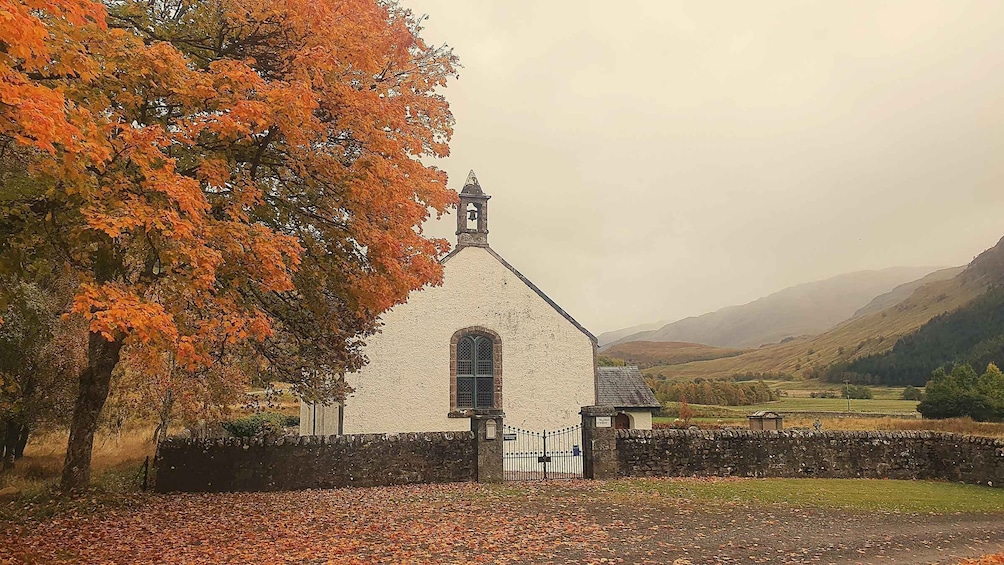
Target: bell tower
(472, 214)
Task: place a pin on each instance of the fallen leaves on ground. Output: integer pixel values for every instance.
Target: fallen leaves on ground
(455, 522)
(559, 522)
(995, 559)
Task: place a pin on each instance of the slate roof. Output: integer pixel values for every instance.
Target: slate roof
(623, 387)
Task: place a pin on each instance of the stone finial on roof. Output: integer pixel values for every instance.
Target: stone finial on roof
(471, 185)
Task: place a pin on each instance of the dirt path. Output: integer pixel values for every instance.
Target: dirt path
(726, 533)
(463, 523)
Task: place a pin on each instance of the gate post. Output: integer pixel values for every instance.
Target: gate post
(599, 442)
(486, 423)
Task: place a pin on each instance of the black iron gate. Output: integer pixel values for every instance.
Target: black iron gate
(530, 456)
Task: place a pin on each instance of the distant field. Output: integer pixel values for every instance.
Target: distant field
(804, 388)
(886, 400)
(965, 426)
(874, 406)
(879, 406)
(649, 353)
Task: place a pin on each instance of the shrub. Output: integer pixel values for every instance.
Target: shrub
(260, 424)
(912, 393)
(686, 413)
(857, 391)
(604, 361)
(965, 393)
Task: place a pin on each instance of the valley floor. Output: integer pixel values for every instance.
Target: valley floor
(625, 521)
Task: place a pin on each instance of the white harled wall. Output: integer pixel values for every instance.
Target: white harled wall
(547, 363)
(640, 419)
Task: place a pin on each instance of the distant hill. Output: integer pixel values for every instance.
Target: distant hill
(805, 309)
(607, 338)
(865, 335)
(972, 334)
(903, 291)
(650, 353)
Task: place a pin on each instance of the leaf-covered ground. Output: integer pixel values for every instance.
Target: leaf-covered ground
(639, 521)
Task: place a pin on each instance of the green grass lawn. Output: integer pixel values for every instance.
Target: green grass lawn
(849, 494)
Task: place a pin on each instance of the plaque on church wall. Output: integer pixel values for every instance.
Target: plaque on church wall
(603, 421)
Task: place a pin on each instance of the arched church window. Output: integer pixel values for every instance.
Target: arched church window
(475, 372)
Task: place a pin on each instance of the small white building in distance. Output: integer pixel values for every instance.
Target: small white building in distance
(626, 390)
(486, 338)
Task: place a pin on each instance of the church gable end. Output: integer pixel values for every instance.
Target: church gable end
(439, 356)
(474, 208)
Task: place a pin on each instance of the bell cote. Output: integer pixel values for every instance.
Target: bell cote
(472, 214)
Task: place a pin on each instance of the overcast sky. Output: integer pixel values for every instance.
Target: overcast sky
(655, 160)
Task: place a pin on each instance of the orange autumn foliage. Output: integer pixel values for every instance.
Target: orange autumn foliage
(234, 182)
(177, 159)
(34, 113)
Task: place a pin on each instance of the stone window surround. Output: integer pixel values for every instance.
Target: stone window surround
(456, 412)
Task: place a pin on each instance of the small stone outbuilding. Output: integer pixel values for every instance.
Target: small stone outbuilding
(763, 420)
(626, 390)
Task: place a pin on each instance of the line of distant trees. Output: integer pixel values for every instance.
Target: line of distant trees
(723, 393)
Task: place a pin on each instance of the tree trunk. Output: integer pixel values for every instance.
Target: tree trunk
(160, 434)
(3, 437)
(10, 433)
(102, 356)
(22, 441)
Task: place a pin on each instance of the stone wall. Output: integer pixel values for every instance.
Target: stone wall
(292, 463)
(791, 453)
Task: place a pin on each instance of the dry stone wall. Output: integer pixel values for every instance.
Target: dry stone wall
(791, 453)
(292, 463)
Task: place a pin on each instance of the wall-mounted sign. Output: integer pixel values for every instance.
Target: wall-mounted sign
(508, 437)
(603, 421)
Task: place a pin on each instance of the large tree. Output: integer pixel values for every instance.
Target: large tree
(236, 183)
(38, 351)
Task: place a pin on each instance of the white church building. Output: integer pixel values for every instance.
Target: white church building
(486, 338)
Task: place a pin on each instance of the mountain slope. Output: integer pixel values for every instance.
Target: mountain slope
(651, 353)
(903, 291)
(809, 308)
(865, 335)
(607, 338)
(972, 334)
